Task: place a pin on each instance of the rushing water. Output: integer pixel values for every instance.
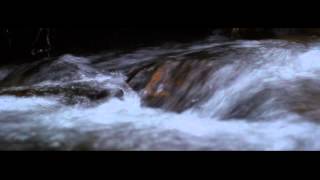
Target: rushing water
(259, 95)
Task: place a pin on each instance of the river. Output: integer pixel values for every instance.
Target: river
(214, 94)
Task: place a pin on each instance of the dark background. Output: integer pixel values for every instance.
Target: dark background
(18, 43)
(90, 27)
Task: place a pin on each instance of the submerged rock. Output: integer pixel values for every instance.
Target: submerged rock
(70, 94)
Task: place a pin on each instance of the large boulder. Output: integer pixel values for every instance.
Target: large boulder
(174, 85)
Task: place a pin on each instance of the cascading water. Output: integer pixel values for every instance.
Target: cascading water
(212, 95)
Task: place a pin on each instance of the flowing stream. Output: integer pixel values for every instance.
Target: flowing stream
(215, 94)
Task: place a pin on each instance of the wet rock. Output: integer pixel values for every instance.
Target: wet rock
(248, 108)
(304, 99)
(64, 69)
(174, 85)
(297, 96)
(301, 97)
(70, 94)
(138, 77)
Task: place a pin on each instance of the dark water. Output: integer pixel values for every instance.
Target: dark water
(216, 94)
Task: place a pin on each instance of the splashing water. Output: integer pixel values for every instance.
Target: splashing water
(257, 91)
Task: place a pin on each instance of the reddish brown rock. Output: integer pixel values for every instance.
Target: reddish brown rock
(175, 85)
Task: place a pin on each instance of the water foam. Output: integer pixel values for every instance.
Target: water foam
(281, 134)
